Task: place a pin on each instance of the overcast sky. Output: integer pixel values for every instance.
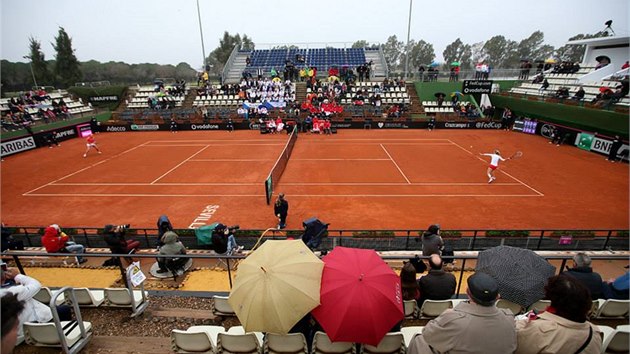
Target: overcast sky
(167, 31)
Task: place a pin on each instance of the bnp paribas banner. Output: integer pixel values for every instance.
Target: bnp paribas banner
(585, 141)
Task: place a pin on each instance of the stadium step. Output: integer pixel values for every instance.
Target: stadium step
(182, 313)
(137, 345)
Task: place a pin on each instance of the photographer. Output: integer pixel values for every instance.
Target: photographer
(171, 246)
(223, 239)
(115, 239)
(56, 241)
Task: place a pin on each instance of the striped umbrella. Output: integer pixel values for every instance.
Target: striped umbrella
(520, 273)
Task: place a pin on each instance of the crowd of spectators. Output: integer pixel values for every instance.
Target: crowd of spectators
(166, 96)
(32, 106)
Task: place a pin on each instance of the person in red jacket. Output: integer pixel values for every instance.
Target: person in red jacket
(56, 241)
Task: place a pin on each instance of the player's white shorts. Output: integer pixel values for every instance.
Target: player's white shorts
(89, 145)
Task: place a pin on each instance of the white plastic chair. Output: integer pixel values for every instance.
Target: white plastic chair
(323, 345)
(506, 304)
(616, 340)
(44, 295)
(293, 343)
(121, 297)
(613, 308)
(89, 298)
(410, 332)
(221, 306)
(411, 309)
(392, 343)
(239, 343)
(539, 305)
(197, 339)
(433, 308)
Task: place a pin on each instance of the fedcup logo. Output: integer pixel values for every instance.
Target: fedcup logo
(546, 130)
(380, 124)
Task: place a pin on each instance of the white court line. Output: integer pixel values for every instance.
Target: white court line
(284, 184)
(372, 143)
(395, 164)
(156, 184)
(83, 169)
(230, 160)
(292, 195)
(179, 164)
(203, 144)
(500, 170)
(292, 159)
(398, 184)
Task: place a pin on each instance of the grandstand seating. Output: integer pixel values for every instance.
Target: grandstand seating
(221, 307)
(196, 339)
(74, 107)
(392, 343)
(294, 343)
(139, 100)
(323, 345)
(616, 340)
(322, 58)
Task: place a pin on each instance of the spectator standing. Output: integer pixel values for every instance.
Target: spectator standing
(563, 328)
(11, 309)
(437, 284)
(281, 210)
(583, 272)
(614, 148)
(476, 327)
(432, 242)
(56, 241)
(174, 127)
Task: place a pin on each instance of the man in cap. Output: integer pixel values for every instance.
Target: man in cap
(475, 327)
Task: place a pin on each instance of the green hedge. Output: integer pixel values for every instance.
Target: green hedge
(507, 233)
(86, 92)
(594, 120)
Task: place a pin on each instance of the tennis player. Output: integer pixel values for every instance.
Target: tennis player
(494, 163)
(91, 143)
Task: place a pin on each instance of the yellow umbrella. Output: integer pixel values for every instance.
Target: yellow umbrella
(276, 285)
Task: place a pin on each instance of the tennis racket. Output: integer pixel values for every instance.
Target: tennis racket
(516, 155)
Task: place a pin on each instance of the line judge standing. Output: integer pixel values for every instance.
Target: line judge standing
(281, 209)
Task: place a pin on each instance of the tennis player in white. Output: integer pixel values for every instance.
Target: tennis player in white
(494, 163)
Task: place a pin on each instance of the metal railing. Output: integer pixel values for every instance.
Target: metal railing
(564, 257)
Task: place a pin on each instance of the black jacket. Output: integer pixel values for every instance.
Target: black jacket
(590, 279)
(437, 285)
(281, 207)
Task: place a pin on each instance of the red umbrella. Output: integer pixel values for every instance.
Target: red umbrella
(360, 296)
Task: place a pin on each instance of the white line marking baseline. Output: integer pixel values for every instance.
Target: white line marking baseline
(292, 195)
(395, 164)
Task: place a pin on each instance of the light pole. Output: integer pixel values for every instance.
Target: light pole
(31, 65)
(408, 35)
(203, 49)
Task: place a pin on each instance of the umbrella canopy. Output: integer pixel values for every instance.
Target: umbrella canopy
(434, 64)
(456, 93)
(440, 94)
(276, 286)
(521, 273)
(360, 295)
(333, 78)
(455, 63)
(550, 61)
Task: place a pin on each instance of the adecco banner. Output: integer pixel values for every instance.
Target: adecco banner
(18, 145)
(476, 86)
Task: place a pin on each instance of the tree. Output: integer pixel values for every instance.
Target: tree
(360, 44)
(66, 66)
(420, 53)
(220, 55)
(458, 51)
(574, 53)
(500, 52)
(392, 50)
(38, 62)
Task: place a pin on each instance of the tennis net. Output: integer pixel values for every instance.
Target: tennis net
(276, 171)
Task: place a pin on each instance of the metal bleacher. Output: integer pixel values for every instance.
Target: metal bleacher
(322, 58)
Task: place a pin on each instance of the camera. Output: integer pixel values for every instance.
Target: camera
(124, 227)
(233, 228)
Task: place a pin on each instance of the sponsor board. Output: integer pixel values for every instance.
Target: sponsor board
(65, 134)
(488, 125)
(114, 128)
(546, 130)
(145, 127)
(254, 126)
(18, 145)
(204, 126)
(476, 86)
(341, 125)
(518, 125)
(456, 125)
(603, 146)
(112, 98)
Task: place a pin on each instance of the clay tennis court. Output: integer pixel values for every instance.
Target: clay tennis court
(356, 179)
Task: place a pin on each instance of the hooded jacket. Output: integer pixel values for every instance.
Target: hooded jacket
(53, 241)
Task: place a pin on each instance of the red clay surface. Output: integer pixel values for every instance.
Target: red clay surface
(378, 179)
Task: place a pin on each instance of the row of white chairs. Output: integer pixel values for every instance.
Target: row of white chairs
(602, 309)
(109, 297)
(215, 339)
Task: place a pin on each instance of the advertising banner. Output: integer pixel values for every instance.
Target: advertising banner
(476, 86)
(585, 141)
(18, 145)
